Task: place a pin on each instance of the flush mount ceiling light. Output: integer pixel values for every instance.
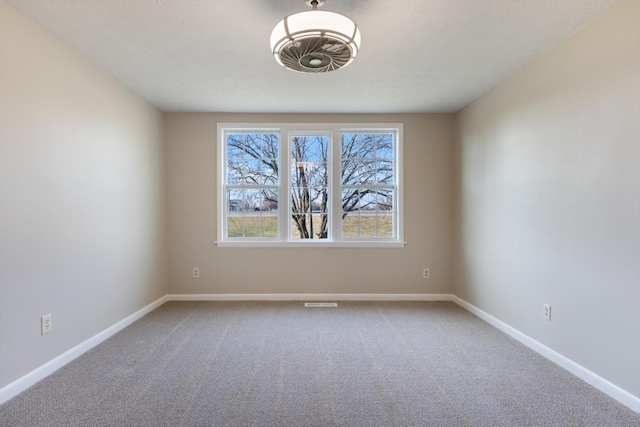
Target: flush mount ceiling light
(315, 41)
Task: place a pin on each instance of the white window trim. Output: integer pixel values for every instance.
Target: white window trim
(334, 129)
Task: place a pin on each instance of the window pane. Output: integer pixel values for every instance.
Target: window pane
(351, 220)
(235, 146)
(384, 200)
(234, 171)
(269, 144)
(252, 225)
(235, 224)
(270, 171)
(252, 213)
(350, 200)
(235, 201)
(251, 172)
(384, 172)
(309, 191)
(253, 146)
(270, 200)
(367, 224)
(349, 172)
(367, 199)
(235, 213)
(367, 213)
(270, 224)
(367, 172)
(385, 225)
(252, 162)
(299, 228)
(259, 221)
(309, 226)
(269, 213)
(300, 200)
(260, 151)
(385, 146)
(252, 200)
(368, 145)
(355, 172)
(349, 145)
(351, 225)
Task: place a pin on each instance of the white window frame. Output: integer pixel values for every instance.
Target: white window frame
(286, 130)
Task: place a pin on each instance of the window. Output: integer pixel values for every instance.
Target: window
(310, 185)
(251, 184)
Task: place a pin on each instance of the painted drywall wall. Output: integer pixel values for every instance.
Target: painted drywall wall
(547, 199)
(82, 201)
(191, 166)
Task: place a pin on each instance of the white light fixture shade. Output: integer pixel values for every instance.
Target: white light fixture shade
(315, 41)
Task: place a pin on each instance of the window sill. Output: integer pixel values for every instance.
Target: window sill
(313, 244)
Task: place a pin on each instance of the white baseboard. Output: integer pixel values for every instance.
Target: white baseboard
(612, 390)
(310, 297)
(23, 383)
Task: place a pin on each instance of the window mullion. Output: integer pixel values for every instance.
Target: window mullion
(285, 185)
(335, 185)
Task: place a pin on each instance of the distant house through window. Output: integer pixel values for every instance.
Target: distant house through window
(306, 185)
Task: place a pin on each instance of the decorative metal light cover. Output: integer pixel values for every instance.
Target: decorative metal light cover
(315, 41)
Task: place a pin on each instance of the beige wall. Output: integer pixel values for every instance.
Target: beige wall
(548, 199)
(545, 204)
(82, 204)
(191, 152)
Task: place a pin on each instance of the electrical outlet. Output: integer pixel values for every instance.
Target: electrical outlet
(45, 324)
(425, 273)
(196, 272)
(546, 311)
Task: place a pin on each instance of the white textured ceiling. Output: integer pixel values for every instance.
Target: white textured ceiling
(213, 55)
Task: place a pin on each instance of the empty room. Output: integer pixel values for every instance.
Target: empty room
(319, 213)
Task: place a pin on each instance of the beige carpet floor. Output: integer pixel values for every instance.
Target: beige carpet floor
(280, 364)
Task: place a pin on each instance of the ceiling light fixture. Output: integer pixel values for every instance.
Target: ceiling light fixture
(315, 41)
